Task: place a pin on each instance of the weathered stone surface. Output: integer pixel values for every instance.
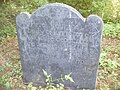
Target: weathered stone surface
(58, 39)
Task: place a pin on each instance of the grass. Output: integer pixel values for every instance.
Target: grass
(109, 74)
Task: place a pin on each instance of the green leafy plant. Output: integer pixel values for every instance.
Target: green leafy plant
(108, 70)
(112, 30)
(51, 82)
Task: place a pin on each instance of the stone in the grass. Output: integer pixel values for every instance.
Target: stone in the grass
(58, 39)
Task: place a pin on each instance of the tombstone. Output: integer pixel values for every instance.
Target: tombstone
(58, 39)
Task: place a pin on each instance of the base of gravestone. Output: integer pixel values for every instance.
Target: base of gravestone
(72, 88)
(41, 85)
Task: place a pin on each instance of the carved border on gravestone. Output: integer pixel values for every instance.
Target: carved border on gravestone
(58, 39)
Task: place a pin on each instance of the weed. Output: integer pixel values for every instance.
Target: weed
(108, 71)
(112, 30)
(51, 84)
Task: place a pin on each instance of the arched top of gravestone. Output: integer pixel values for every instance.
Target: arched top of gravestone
(53, 10)
(57, 7)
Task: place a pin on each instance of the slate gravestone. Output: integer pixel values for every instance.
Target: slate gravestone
(58, 39)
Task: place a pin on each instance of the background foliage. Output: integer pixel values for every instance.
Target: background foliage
(107, 9)
(109, 67)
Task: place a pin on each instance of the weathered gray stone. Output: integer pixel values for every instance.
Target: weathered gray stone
(58, 39)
